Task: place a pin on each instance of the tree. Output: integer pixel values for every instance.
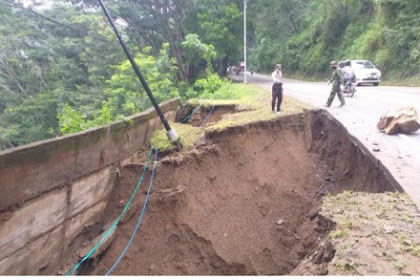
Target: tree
(219, 23)
(198, 55)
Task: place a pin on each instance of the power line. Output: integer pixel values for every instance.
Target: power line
(33, 13)
(170, 133)
(37, 14)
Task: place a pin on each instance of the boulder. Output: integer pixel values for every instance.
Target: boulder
(404, 120)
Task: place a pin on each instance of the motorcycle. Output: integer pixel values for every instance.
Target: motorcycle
(350, 87)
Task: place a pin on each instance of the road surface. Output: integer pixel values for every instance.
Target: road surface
(399, 153)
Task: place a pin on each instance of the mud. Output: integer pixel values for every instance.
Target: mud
(245, 201)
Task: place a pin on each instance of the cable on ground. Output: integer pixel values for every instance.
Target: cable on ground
(116, 222)
(139, 220)
(187, 118)
(208, 116)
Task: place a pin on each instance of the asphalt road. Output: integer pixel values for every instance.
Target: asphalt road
(399, 153)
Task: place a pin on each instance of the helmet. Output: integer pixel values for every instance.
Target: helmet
(333, 62)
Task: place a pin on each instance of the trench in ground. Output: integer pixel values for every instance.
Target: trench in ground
(245, 202)
(195, 116)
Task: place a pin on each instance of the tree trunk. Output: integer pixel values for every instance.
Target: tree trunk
(222, 67)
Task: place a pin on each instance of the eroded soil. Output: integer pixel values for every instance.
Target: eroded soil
(243, 201)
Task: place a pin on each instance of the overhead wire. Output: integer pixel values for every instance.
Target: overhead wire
(21, 7)
(10, 4)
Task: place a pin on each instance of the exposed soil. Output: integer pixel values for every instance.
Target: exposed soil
(201, 114)
(376, 234)
(245, 201)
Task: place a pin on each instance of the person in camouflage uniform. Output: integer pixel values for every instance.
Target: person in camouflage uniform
(337, 81)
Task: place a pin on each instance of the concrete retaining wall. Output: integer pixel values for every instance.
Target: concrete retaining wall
(52, 192)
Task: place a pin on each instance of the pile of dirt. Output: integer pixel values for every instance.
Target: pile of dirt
(245, 201)
(376, 234)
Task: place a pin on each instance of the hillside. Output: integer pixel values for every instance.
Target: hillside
(305, 35)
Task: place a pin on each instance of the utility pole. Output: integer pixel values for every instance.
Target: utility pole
(245, 60)
(170, 133)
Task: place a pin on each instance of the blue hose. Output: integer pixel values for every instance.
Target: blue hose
(115, 223)
(208, 116)
(138, 221)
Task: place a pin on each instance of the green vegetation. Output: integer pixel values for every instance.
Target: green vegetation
(305, 35)
(245, 96)
(189, 135)
(64, 71)
(252, 103)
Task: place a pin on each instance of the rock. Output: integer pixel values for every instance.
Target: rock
(388, 229)
(173, 160)
(404, 120)
(280, 222)
(376, 149)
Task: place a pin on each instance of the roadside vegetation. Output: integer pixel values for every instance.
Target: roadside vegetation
(252, 104)
(305, 35)
(62, 69)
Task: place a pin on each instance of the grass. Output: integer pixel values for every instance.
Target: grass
(346, 267)
(255, 105)
(339, 233)
(252, 102)
(188, 134)
(400, 266)
(405, 82)
(388, 81)
(244, 96)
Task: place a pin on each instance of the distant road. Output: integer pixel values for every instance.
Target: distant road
(399, 153)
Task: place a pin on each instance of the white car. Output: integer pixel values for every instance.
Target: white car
(365, 72)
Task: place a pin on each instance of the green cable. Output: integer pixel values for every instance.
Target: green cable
(187, 118)
(115, 223)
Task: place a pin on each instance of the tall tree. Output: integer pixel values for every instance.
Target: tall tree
(219, 23)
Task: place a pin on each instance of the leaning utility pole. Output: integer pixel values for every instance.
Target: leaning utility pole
(171, 133)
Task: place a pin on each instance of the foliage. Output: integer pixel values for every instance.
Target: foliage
(196, 54)
(188, 134)
(306, 36)
(218, 23)
(62, 69)
(124, 92)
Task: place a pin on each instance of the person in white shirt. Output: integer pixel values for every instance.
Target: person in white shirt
(348, 73)
(277, 90)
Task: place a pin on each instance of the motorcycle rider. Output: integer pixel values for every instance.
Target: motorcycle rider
(348, 74)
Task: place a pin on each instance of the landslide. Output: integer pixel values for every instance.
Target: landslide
(244, 201)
